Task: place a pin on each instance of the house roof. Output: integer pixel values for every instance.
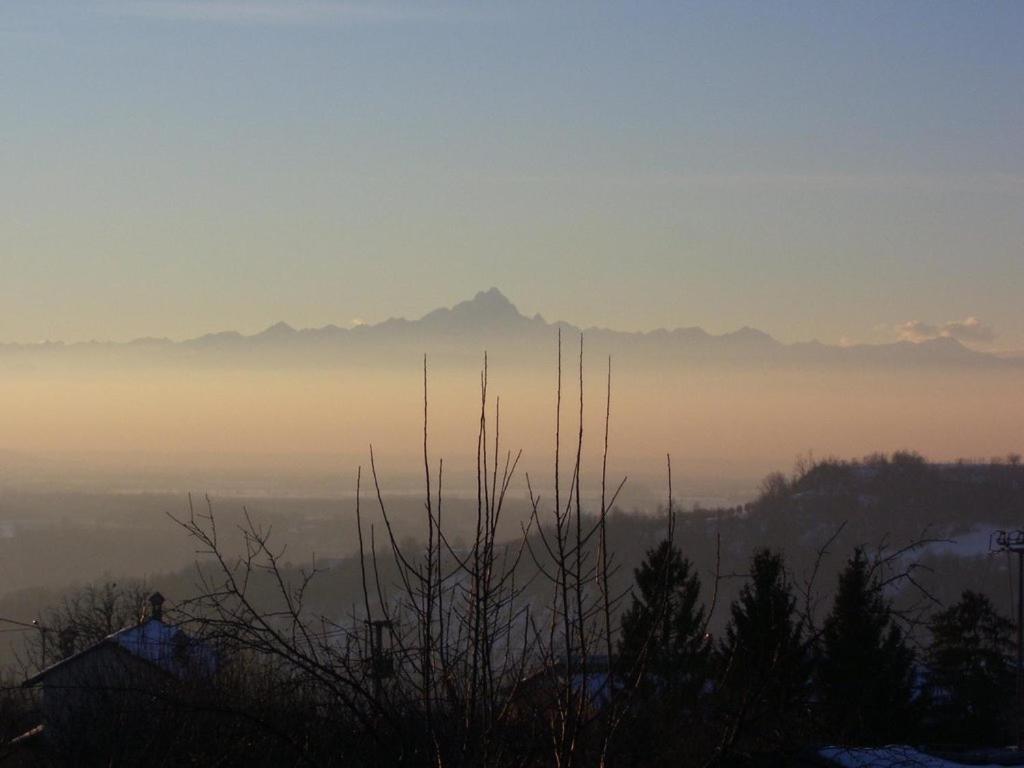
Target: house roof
(163, 645)
(894, 756)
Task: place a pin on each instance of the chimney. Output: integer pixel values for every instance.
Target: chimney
(156, 609)
(66, 640)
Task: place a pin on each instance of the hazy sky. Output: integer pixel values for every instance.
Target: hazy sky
(830, 170)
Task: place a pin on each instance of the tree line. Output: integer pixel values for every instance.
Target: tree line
(774, 684)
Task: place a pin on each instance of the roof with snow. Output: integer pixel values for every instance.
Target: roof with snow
(898, 756)
(163, 645)
(166, 646)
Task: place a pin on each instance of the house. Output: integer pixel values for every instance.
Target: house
(116, 683)
(537, 694)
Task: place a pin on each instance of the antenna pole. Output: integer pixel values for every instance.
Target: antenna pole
(1020, 650)
(1013, 541)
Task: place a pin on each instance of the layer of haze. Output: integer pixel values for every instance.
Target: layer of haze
(174, 167)
(306, 431)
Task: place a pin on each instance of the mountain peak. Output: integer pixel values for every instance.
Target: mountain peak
(492, 296)
(277, 329)
(491, 301)
(488, 309)
(750, 335)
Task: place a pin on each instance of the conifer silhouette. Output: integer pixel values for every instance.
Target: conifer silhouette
(865, 672)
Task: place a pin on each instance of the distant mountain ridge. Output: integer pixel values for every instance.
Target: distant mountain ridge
(490, 320)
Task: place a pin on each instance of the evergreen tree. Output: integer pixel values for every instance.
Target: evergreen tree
(866, 669)
(663, 642)
(764, 663)
(970, 674)
(663, 629)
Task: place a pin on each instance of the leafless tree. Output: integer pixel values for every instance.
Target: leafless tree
(446, 659)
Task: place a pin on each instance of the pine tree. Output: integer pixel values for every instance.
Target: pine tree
(866, 669)
(970, 679)
(764, 663)
(663, 647)
(663, 630)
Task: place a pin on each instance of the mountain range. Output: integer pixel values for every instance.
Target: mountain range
(490, 321)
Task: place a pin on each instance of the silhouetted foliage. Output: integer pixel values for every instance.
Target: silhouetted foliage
(865, 673)
(496, 652)
(663, 628)
(970, 681)
(663, 641)
(775, 489)
(764, 664)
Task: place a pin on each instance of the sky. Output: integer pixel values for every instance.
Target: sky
(849, 172)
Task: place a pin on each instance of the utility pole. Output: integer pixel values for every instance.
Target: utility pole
(380, 662)
(1013, 541)
(36, 625)
(42, 641)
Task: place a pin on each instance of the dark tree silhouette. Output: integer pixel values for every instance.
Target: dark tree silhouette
(663, 635)
(663, 650)
(970, 680)
(764, 665)
(865, 673)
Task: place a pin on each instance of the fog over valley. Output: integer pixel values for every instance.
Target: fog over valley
(292, 412)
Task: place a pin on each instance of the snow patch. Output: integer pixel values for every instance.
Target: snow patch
(886, 757)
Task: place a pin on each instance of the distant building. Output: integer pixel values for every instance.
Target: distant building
(117, 682)
(538, 694)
